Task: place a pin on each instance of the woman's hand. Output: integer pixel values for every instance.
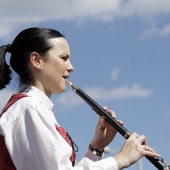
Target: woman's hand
(134, 148)
(104, 133)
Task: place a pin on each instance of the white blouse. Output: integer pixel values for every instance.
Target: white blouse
(33, 141)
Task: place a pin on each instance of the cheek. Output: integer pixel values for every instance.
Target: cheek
(56, 65)
(62, 66)
(59, 68)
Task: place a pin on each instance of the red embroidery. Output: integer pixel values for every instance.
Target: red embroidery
(12, 100)
(64, 134)
(5, 159)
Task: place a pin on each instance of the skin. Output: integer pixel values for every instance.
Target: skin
(49, 76)
(103, 137)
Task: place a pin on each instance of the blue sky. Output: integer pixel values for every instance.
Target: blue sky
(121, 54)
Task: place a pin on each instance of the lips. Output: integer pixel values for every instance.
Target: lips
(66, 76)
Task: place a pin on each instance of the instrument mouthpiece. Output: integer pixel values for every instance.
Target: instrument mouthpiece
(74, 88)
(70, 83)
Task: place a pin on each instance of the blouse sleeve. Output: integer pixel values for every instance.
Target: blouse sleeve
(34, 143)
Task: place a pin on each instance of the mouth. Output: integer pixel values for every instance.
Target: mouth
(66, 77)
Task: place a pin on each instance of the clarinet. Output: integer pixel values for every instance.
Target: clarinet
(159, 163)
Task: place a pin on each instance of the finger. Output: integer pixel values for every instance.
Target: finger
(120, 122)
(102, 122)
(112, 128)
(110, 112)
(134, 135)
(105, 108)
(147, 148)
(150, 152)
(100, 127)
(142, 139)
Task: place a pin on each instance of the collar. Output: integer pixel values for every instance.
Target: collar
(40, 96)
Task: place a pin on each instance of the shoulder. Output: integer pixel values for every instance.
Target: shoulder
(16, 112)
(24, 103)
(19, 108)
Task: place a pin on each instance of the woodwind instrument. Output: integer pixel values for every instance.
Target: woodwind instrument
(159, 163)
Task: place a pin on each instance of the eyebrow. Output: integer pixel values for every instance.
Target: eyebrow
(65, 54)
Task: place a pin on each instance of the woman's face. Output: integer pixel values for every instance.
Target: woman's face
(57, 67)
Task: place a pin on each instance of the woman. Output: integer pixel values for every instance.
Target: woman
(31, 138)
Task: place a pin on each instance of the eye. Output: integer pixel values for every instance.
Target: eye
(64, 57)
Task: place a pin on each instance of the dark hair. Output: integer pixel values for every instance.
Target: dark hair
(34, 39)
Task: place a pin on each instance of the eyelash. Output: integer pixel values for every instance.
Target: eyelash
(64, 58)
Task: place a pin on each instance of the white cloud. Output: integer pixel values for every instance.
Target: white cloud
(98, 93)
(114, 73)
(144, 8)
(156, 32)
(18, 13)
(70, 99)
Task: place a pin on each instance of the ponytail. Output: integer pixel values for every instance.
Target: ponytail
(5, 72)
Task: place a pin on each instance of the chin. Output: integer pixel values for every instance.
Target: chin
(62, 90)
(59, 92)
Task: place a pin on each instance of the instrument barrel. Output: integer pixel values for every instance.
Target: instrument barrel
(159, 163)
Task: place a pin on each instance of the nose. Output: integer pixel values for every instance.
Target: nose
(70, 67)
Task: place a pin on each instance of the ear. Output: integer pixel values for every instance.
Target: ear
(36, 60)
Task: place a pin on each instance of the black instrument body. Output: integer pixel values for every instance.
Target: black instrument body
(159, 163)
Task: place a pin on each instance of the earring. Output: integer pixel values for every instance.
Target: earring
(40, 66)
